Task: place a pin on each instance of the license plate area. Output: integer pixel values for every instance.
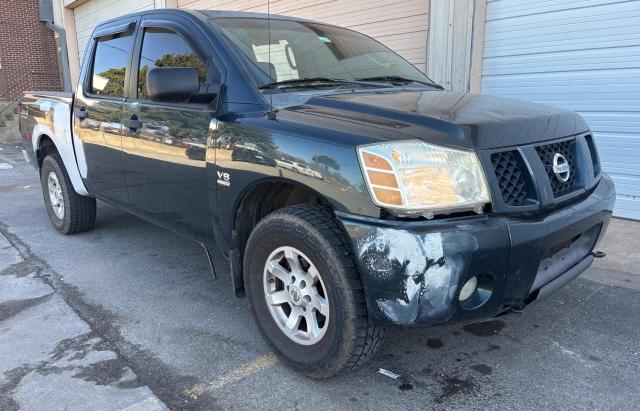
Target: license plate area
(562, 256)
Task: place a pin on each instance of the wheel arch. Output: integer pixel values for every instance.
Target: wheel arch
(44, 145)
(254, 203)
(44, 140)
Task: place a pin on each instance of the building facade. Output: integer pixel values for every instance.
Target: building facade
(28, 50)
(581, 55)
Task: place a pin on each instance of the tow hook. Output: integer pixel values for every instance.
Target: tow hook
(598, 254)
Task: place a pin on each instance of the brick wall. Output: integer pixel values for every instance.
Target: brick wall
(26, 44)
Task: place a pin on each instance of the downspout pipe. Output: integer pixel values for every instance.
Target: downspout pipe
(63, 55)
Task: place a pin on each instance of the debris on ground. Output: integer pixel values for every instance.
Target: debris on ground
(403, 383)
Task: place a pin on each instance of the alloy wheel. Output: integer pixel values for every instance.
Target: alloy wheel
(55, 195)
(296, 295)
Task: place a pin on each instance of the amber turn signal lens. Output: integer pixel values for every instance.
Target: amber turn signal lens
(390, 197)
(382, 179)
(374, 161)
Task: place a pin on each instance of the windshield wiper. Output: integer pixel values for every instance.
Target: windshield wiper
(306, 82)
(399, 79)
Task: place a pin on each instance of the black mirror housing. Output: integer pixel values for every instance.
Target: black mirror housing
(172, 84)
(207, 94)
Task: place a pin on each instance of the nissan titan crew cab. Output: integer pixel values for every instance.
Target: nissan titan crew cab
(349, 192)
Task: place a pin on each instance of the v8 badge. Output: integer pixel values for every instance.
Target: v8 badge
(224, 179)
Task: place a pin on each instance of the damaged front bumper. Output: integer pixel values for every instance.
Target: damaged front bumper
(413, 272)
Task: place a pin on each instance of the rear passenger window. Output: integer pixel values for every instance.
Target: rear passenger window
(162, 48)
(110, 65)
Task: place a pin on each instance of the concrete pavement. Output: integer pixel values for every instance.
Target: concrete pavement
(140, 303)
(51, 358)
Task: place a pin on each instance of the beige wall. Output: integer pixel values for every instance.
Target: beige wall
(91, 13)
(79, 17)
(400, 25)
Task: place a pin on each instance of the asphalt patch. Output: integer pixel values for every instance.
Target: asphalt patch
(20, 269)
(78, 347)
(107, 372)
(11, 380)
(12, 308)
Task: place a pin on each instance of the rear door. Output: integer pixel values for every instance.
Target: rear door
(165, 144)
(98, 110)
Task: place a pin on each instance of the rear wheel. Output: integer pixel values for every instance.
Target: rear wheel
(306, 294)
(69, 212)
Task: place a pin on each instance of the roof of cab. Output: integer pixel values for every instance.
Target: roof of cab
(221, 14)
(205, 15)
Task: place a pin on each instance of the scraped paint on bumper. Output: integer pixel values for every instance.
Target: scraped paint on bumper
(413, 272)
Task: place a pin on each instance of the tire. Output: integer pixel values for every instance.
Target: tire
(78, 213)
(347, 339)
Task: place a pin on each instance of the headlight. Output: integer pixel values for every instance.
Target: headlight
(415, 177)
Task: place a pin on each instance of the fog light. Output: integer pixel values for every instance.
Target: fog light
(468, 288)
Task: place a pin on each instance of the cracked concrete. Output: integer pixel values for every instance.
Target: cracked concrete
(111, 371)
(46, 348)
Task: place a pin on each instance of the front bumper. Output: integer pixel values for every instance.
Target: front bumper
(413, 272)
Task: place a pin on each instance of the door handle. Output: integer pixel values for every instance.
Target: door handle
(82, 113)
(132, 123)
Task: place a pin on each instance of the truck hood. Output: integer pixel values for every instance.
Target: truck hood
(447, 118)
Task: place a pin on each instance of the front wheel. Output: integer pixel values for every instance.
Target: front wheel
(68, 211)
(306, 294)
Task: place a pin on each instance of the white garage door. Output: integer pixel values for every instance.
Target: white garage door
(90, 14)
(401, 25)
(580, 55)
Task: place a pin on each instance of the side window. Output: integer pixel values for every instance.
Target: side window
(162, 48)
(110, 65)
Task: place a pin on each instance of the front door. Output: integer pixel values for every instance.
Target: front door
(98, 114)
(165, 145)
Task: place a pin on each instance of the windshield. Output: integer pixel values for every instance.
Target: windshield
(305, 50)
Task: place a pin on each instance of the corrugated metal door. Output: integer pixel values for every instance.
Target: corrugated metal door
(90, 14)
(580, 55)
(401, 25)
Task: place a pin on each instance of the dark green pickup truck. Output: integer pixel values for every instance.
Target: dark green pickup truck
(349, 192)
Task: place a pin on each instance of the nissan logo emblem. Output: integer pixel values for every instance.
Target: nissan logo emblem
(561, 167)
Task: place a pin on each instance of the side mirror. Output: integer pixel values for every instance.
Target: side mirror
(174, 84)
